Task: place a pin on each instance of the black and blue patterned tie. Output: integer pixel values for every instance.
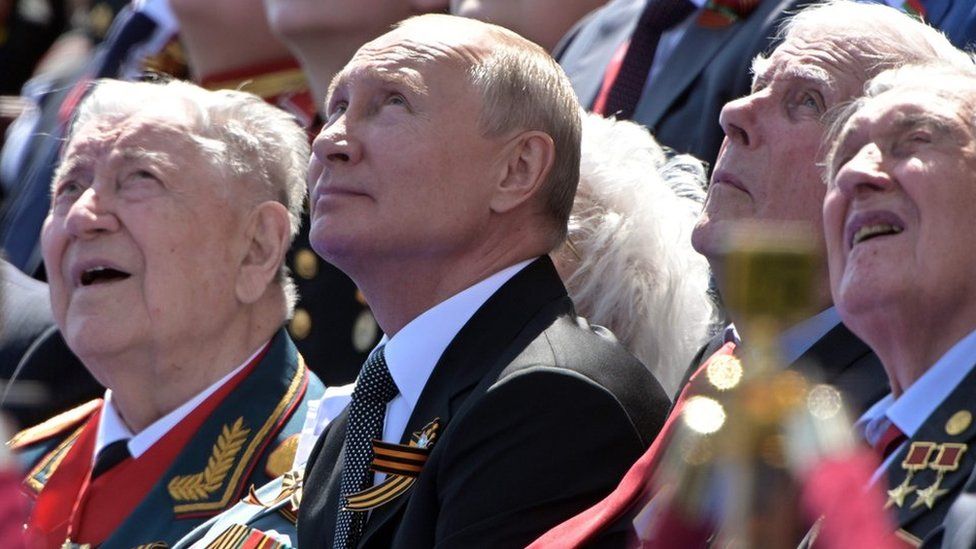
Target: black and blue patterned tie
(374, 389)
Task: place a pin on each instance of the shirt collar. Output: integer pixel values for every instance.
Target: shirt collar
(112, 428)
(413, 352)
(910, 410)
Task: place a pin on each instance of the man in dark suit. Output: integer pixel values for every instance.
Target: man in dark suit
(770, 169)
(697, 64)
(444, 175)
(902, 267)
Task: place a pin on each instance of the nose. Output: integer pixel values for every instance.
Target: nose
(90, 215)
(335, 145)
(863, 174)
(739, 120)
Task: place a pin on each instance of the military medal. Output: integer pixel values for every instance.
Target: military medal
(946, 461)
(916, 460)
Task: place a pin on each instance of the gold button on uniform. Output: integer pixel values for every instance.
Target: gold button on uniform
(306, 264)
(959, 422)
(300, 325)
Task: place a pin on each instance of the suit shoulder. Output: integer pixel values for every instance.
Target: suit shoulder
(573, 348)
(60, 424)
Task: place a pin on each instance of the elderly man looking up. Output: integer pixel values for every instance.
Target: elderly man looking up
(898, 220)
(770, 169)
(443, 176)
(171, 214)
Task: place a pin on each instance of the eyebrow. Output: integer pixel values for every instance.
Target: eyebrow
(385, 76)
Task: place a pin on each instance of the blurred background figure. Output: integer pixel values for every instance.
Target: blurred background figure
(670, 64)
(628, 261)
(332, 326)
(40, 376)
(544, 22)
(325, 34)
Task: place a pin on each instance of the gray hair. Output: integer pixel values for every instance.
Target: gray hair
(523, 88)
(630, 228)
(953, 80)
(884, 37)
(239, 132)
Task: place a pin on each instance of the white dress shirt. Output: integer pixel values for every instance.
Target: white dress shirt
(413, 352)
(919, 400)
(112, 428)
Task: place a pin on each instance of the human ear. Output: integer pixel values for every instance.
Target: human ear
(268, 233)
(530, 157)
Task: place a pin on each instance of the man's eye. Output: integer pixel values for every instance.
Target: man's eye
(396, 99)
(811, 100)
(67, 189)
(336, 109)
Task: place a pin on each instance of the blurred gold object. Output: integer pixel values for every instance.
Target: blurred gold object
(742, 443)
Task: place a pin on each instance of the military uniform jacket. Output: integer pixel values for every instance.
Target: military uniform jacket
(541, 416)
(248, 439)
(930, 470)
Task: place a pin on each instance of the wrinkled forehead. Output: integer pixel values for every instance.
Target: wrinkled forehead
(834, 60)
(99, 136)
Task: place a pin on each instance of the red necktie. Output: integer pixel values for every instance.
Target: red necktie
(889, 441)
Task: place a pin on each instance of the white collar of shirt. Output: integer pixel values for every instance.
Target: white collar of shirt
(799, 338)
(920, 399)
(112, 428)
(413, 352)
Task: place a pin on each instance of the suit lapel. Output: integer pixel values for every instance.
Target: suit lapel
(945, 431)
(490, 339)
(593, 49)
(841, 359)
(680, 70)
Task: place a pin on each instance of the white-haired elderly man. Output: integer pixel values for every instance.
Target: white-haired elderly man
(770, 169)
(898, 224)
(443, 177)
(171, 214)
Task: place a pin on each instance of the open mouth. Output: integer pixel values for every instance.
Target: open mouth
(867, 232)
(101, 275)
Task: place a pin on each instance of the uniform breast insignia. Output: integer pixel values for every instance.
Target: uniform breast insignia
(946, 461)
(281, 458)
(291, 489)
(199, 486)
(402, 464)
(920, 457)
(239, 536)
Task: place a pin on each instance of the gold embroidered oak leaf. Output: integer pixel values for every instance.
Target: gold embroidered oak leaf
(199, 486)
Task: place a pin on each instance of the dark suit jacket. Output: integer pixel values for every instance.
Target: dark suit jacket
(839, 358)
(708, 68)
(543, 416)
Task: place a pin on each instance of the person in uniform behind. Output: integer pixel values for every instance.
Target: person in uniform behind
(171, 213)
